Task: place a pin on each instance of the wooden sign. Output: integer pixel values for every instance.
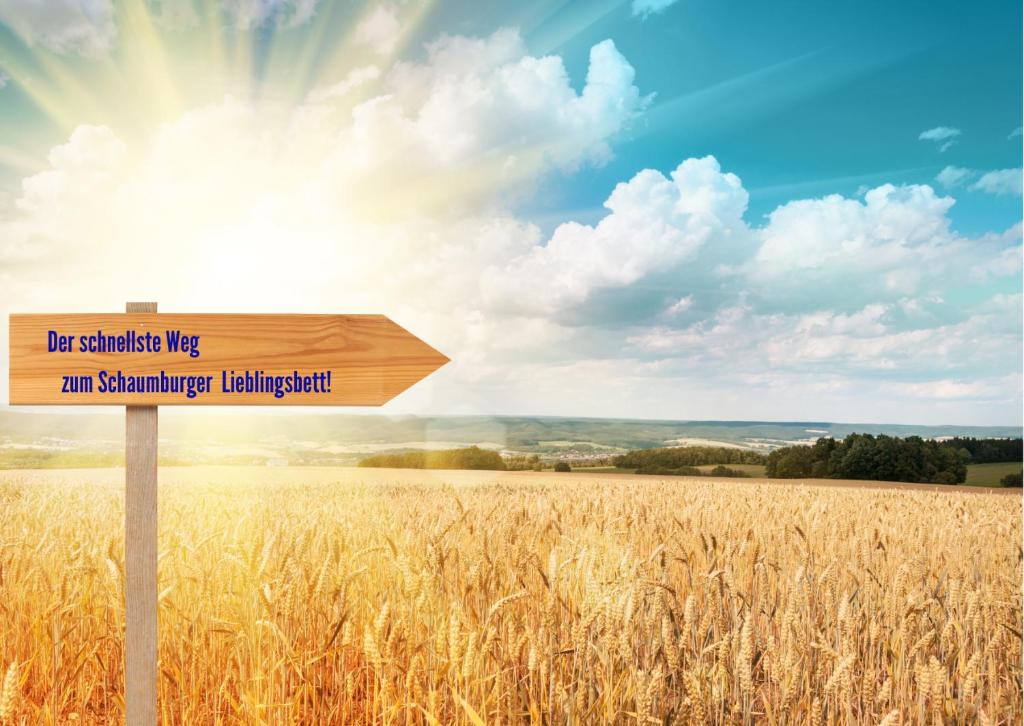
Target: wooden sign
(201, 359)
(141, 359)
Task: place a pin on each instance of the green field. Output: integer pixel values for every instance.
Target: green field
(988, 475)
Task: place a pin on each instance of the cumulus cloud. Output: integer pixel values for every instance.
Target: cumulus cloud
(896, 242)
(488, 115)
(654, 222)
(1000, 182)
(644, 8)
(85, 27)
(527, 102)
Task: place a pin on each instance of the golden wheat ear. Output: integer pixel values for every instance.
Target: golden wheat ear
(9, 694)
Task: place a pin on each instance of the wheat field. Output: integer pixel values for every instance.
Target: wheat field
(330, 596)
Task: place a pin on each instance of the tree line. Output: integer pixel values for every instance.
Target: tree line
(864, 456)
(684, 459)
(987, 451)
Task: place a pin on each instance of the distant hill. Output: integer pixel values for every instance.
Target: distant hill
(334, 438)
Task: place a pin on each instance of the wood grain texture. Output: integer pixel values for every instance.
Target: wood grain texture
(371, 358)
(140, 558)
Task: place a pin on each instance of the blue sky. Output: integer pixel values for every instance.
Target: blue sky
(801, 98)
(688, 209)
(822, 98)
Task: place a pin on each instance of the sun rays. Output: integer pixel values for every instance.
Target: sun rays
(160, 65)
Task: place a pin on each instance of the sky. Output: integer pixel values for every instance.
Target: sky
(682, 209)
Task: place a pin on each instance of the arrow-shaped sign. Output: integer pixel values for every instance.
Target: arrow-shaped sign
(141, 359)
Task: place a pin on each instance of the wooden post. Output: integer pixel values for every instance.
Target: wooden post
(140, 549)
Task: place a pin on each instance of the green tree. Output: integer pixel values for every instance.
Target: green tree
(864, 456)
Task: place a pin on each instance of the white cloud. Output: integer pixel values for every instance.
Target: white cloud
(874, 342)
(487, 114)
(63, 26)
(895, 243)
(678, 307)
(644, 8)
(320, 97)
(954, 176)
(654, 223)
(1000, 256)
(380, 29)
(953, 389)
(87, 165)
(939, 133)
(247, 14)
(1000, 182)
(945, 136)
